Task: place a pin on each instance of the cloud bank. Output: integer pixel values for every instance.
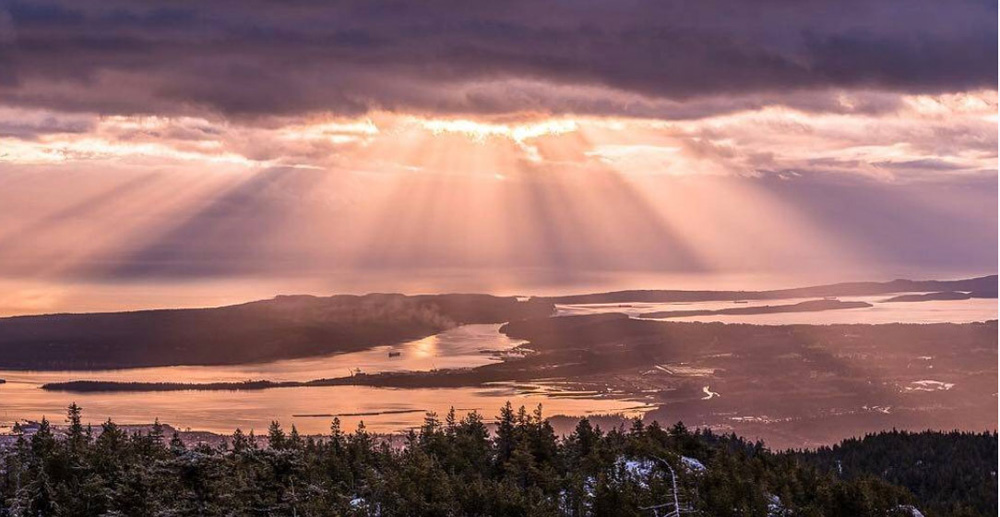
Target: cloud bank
(637, 57)
(502, 144)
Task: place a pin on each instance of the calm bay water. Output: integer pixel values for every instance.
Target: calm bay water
(384, 409)
(223, 411)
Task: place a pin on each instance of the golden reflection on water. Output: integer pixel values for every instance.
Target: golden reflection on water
(223, 411)
(426, 347)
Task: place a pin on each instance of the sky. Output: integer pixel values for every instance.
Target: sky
(190, 153)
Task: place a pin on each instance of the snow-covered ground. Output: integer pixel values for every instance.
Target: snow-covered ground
(692, 464)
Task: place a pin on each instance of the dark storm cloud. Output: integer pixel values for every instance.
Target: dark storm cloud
(646, 56)
(30, 125)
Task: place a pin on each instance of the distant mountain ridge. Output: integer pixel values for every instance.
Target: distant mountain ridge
(280, 328)
(287, 327)
(930, 297)
(981, 287)
(807, 306)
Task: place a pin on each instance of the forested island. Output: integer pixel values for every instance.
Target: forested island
(807, 306)
(984, 287)
(280, 328)
(931, 297)
(512, 465)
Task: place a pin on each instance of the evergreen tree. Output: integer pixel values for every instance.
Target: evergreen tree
(177, 446)
(457, 468)
(74, 433)
(275, 436)
(506, 441)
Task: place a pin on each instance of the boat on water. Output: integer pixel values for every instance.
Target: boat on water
(393, 353)
(739, 301)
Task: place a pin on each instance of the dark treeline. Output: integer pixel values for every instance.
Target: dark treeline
(450, 466)
(950, 473)
(92, 386)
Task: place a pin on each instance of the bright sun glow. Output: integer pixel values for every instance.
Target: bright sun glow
(388, 187)
(481, 131)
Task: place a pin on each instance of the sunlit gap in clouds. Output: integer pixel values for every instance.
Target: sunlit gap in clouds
(520, 201)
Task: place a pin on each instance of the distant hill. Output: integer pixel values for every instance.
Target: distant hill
(807, 306)
(983, 287)
(300, 326)
(283, 327)
(929, 297)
